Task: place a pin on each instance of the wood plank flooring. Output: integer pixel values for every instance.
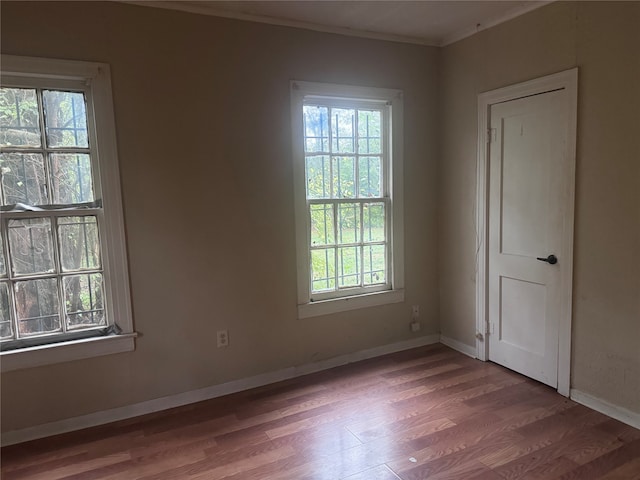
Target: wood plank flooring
(427, 413)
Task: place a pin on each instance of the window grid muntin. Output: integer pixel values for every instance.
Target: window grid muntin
(58, 274)
(336, 245)
(358, 105)
(46, 151)
(385, 199)
(44, 146)
(69, 211)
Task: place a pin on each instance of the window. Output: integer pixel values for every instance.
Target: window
(63, 272)
(348, 189)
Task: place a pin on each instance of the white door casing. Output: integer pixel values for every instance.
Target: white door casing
(526, 175)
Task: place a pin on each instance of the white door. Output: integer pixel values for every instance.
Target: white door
(527, 189)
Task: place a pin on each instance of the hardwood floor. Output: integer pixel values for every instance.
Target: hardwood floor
(428, 413)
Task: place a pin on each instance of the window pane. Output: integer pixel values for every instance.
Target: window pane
(349, 223)
(370, 173)
(369, 128)
(3, 266)
(322, 224)
(31, 246)
(5, 317)
(344, 177)
(316, 128)
(374, 264)
(318, 170)
(348, 267)
(83, 298)
(374, 228)
(37, 306)
(65, 119)
(71, 178)
(23, 179)
(79, 243)
(323, 269)
(19, 118)
(343, 130)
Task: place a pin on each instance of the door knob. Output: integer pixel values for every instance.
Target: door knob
(551, 259)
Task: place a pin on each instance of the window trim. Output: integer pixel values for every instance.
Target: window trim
(341, 93)
(97, 78)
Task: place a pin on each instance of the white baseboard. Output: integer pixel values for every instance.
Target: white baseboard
(608, 409)
(459, 346)
(172, 401)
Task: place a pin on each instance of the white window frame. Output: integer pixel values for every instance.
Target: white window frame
(346, 95)
(95, 80)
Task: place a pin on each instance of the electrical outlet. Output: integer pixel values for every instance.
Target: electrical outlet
(415, 326)
(415, 311)
(223, 338)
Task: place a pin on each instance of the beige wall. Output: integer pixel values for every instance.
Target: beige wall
(203, 124)
(603, 40)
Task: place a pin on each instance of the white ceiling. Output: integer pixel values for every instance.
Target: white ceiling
(423, 22)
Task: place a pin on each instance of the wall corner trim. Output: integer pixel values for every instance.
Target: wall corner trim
(606, 408)
(207, 393)
(459, 346)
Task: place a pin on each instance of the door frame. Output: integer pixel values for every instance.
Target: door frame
(567, 80)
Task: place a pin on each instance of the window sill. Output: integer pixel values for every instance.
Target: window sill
(336, 305)
(66, 351)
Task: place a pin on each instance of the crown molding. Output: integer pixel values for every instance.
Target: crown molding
(511, 14)
(207, 9)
